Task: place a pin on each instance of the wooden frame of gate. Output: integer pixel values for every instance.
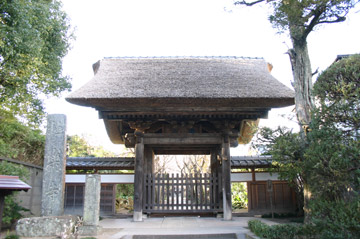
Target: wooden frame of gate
(200, 193)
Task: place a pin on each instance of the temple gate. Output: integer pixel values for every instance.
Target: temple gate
(182, 105)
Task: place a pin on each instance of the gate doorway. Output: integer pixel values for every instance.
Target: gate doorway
(185, 193)
(182, 184)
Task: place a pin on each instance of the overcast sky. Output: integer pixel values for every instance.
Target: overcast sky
(112, 28)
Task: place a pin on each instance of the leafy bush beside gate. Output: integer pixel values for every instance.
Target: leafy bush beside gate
(281, 231)
(239, 197)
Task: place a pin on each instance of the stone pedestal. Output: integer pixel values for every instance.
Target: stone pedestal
(91, 205)
(53, 186)
(52, 226)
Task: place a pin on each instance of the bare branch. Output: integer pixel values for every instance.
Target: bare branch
(248, 3)
(317, 71)
(317, 19)
(338, 19)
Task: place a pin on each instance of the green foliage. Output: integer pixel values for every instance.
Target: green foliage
(239, 197)
(334, 149)
(18, 141)
(124, 196)
(329, 161)
(329, 221)
(34, 37)
(12, 209)
(338, 92)
(124, 190)
(12, 169)
(80, 147)
(287, 150)
(336, 219)
(281, 231)
(12, 236)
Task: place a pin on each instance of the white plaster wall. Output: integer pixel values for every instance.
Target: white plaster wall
(105, 178)
(260, 176)
(129, 178)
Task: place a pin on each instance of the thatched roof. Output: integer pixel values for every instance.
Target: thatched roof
(123, 83)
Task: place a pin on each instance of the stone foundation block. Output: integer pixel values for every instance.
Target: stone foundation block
(45, 226)
(89, 230)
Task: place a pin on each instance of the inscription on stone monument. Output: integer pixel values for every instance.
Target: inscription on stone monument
(53, 187)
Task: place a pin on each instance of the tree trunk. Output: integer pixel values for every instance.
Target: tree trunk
(307, 198)
(301, 68)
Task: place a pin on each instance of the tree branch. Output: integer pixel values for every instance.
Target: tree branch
(313, 22)
(316, 20)
(248, 3)
(338, 19)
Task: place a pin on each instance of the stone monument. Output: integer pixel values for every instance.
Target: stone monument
(91, 205)
(52, 202)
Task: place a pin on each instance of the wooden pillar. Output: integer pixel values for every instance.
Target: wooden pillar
(253, 176)
(149, 160)
(226, 180)
(215, 167)
(148, 169)
(139, 178)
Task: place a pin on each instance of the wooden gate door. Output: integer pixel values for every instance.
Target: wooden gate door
(189, 193)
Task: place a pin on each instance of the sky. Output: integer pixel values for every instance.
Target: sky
(119, 28)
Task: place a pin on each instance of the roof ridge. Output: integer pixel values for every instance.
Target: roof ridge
(183, 57)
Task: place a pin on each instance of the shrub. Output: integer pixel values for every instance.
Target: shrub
(279, 215)
(282, 231)
(12, 236)
(12, 209)
(336, 219)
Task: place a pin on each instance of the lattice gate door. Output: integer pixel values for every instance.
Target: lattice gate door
(185, 193)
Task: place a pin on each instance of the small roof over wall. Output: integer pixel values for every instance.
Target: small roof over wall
(259, 161)
(110, 163)
(12, 183)
(161, 82)
(118, 163)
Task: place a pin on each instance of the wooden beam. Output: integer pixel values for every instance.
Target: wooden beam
(181, 112)
(182, 152)
(182, 139)
(138, 180)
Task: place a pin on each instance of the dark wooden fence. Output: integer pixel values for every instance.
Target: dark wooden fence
(185, 193)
